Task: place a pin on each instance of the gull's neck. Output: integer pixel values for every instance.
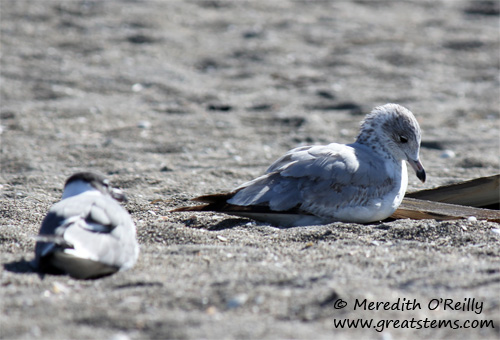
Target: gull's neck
(368, 138)
(76, 188)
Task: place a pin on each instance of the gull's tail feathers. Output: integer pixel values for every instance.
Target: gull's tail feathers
(215, 202)
(218, 203)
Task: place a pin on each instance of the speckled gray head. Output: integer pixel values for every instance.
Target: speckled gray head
(393, 131)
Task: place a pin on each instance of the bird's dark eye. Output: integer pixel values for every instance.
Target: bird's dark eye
(403, 139)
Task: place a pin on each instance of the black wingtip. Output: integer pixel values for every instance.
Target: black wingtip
(214, 202)
(214, 198)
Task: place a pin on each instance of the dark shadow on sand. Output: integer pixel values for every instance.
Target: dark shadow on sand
(229, 224)
(20, 267)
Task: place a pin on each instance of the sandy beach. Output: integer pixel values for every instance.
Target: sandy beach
(175, 99)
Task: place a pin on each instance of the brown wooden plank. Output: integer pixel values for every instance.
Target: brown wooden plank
(422, 209)
(479, 192)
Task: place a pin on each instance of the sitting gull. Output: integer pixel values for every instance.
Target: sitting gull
(360, 182)
(87, 234)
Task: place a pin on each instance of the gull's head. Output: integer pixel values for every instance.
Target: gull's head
(397, 131)
(90, 181)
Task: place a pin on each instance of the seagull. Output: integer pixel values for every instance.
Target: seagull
(362, 182)
(87, 234)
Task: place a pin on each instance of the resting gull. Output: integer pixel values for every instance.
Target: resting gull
(88, 234)
(360, 182)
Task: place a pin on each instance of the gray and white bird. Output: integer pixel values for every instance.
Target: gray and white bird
(360, 182)
(87, 234)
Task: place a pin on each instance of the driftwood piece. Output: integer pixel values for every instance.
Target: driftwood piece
(479, 192)
(454, 201)
(422, 209)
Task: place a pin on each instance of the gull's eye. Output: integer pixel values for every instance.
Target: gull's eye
(403, 139)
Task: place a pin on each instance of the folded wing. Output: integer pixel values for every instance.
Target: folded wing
(86, 235)
(317, 180)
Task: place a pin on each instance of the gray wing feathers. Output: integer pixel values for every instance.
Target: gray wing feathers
(314, 178)
(300, 153)
(279, 192)
(92, 227)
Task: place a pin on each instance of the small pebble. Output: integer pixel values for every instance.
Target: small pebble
(221, 238)
(472, 219)
(386, 336)
(448, 154)
(144, 124)
(137, 87)
(119, 336)
(58, 288)
(211, 310)
(344, 132)
(36, 331)
(496, 230)
(206, 259)
(237, 301)
(166, 168)
(259, 299)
